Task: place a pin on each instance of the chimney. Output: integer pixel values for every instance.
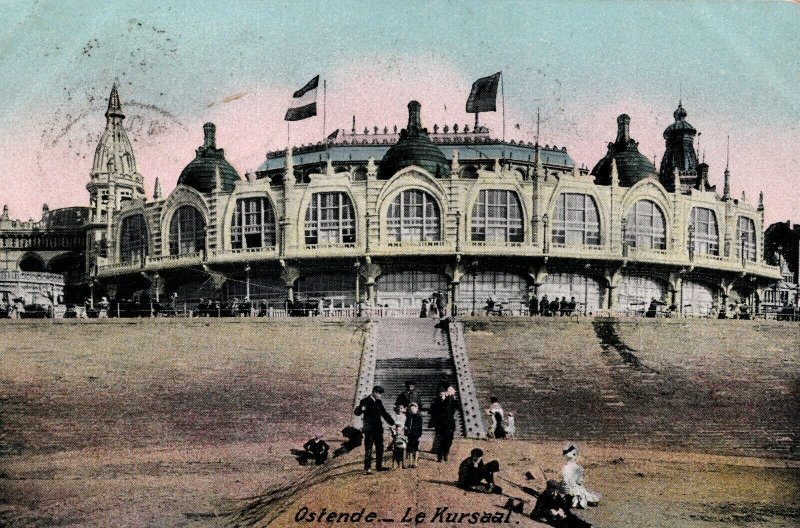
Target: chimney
(209, 132)
(623, 128)
(414, 120)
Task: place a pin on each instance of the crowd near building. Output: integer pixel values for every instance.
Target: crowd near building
(382, 219)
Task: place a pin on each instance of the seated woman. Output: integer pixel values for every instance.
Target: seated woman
(572, 481)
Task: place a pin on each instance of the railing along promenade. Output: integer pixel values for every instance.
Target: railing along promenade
(604, 252)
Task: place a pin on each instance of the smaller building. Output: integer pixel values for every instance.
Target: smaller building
(782, 249)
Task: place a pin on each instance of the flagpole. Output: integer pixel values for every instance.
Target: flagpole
(503, 97)
(324, 111)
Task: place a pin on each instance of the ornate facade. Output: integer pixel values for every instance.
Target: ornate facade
(386, 218)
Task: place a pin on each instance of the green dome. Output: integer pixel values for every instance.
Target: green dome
(414, 148)
(632, 166)
(201, 172)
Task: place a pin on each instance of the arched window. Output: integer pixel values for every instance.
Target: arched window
(576, 220)
(705, 234)
(187, 231)
(133, 239)
(414, 215)
(330, 219)
(253, 224)
(644, 226)
(746, 236)
(497, 217)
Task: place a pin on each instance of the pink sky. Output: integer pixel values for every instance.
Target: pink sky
(52, 163)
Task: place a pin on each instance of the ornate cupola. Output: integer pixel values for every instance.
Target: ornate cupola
(679, 153)
(114, 177)
(632, 166)
(414, 148)
(209, 165)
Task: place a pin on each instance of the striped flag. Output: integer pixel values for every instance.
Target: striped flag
(304, 102)
(483, 97)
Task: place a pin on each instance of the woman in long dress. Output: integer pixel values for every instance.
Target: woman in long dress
(496, 410)
(572, 480)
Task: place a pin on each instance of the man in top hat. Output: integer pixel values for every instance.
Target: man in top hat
(373, 411)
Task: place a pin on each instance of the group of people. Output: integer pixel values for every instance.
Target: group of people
(548, 308)
(503, 425)
(406, 425)
(433, 306)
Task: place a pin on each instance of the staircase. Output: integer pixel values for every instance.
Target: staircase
(412, 349)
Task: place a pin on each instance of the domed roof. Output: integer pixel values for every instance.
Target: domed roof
(413, 148)
(680, 126)
(201, 172)
(632, 166)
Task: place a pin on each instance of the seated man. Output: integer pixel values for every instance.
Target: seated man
(473, 475)
(315, 449)
(554, 508)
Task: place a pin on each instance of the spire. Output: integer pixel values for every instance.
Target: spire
(157, 193)
(114, 106)
(726, 189)
(761, 200)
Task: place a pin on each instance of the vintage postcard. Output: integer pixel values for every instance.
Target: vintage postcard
(351, 264)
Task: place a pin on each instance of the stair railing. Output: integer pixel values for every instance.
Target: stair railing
(471, 414)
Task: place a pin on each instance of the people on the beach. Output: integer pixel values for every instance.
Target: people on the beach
(442, 418)
(497, 415)
(554, 507)
(399, 446)
(407, 397)
(474, 475)
(413, 432)
(374, 413)
(572, 480)
(315, 449)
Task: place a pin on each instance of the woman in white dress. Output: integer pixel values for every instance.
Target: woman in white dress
(572, 480)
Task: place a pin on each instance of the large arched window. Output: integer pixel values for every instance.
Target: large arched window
(576, 220)
(133, 239)
(330, 219)
(644, 226)
(497, 217)
(187, 231)
(414, 215)
(253, 224)
(705, 233)
(746, 237)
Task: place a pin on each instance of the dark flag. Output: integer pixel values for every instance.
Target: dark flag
(333, 135)
(483, 97)
(304, 104)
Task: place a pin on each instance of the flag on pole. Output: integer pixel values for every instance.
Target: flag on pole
(333, 135)
(483, 97)
(304, 103)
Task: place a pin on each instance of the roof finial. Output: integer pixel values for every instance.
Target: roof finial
(537, 129)
(114, 106)
(728, 152)
(157, 194)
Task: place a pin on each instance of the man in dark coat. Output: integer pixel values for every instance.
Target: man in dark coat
(373, 411)
(474, 475)
(315, 449)
(554, 508)
(443, 419)
(407, 397)
(533, 306)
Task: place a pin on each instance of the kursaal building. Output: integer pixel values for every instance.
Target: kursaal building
(386, 218)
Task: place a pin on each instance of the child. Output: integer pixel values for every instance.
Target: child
(399, 444)
(400, 415)
(414, 432)
(511, 427)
